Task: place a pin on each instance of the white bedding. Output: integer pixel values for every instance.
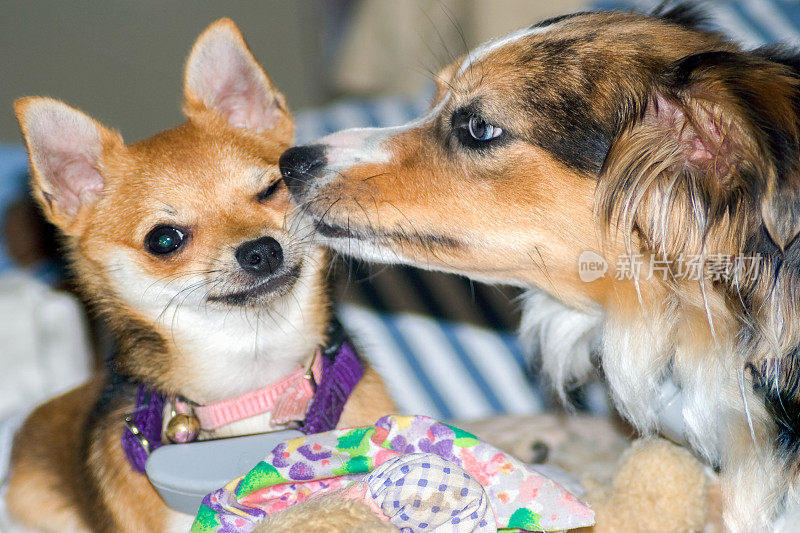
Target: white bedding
(44, 345)
(44, 350)
(8, 427)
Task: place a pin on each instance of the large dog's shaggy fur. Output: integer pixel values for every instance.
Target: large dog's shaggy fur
(634, 137)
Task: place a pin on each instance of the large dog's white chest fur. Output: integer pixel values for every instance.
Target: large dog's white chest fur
(722, 417)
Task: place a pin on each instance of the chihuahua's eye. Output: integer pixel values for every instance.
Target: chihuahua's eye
(164, 240)
(264, 195)
(480, 130)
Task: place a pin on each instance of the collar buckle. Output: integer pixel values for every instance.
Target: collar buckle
(137, 434)
(309, 373)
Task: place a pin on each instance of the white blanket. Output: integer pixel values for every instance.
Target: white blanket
(8, 427)
(44, 345)
(44, 351)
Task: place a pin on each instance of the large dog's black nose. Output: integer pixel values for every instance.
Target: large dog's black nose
(300, 165)
(261, 256)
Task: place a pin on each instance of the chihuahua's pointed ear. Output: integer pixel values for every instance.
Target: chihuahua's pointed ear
(65, 148)
(223, 77)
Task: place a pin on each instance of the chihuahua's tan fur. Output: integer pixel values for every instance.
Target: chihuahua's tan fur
(191, 321)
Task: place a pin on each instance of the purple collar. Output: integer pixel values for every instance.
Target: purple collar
(342, 368)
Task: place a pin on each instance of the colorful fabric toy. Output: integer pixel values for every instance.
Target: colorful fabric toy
(415, 472)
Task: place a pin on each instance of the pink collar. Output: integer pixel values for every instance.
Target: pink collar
(286, 399)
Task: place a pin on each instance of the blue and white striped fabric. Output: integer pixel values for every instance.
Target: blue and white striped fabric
(453, 371)
(751, 23)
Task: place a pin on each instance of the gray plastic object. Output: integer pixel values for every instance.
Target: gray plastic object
(184, 473)
(670, 413)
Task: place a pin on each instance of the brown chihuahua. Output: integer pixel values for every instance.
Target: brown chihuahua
(180, 242)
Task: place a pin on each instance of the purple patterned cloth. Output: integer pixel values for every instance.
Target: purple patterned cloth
(339, 378)
(147, 417)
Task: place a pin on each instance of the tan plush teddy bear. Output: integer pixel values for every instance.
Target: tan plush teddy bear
(331, 513)
(658, 487)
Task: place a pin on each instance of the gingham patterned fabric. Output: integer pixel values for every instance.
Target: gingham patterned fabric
(428, 485)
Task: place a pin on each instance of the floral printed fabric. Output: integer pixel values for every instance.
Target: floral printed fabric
(514, 495)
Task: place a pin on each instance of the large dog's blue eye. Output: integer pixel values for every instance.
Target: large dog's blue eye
(480, 130)
(163, 240)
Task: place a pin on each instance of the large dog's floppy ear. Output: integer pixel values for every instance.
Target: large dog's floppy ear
(223, 78)
(66, 149)
(718, 130)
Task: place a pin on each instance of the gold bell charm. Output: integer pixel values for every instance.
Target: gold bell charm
(183, 428)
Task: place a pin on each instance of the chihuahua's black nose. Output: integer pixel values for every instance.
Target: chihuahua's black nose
(261, 256)
(300, 165)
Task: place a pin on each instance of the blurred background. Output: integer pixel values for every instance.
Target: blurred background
(121, 61)
(446, 345)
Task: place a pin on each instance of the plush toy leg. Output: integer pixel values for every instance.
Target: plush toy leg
(658, 487)
(331, 513)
